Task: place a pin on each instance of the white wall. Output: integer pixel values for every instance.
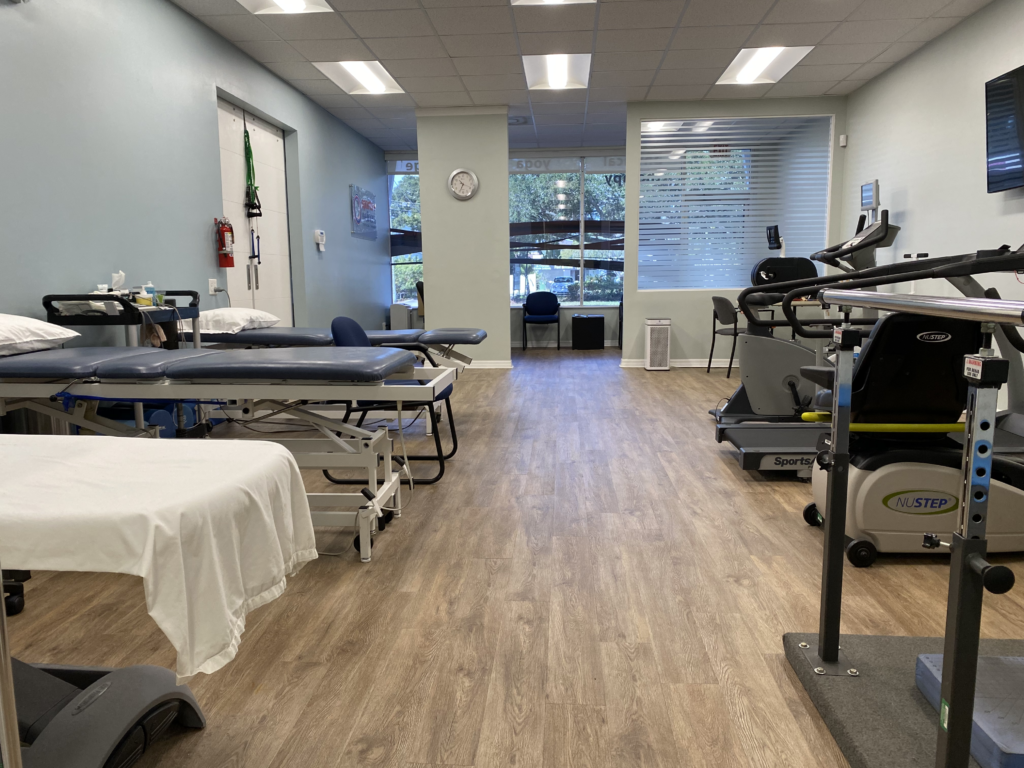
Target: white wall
(920, 130)
(690, 310)
(110, 160)
(465, 242)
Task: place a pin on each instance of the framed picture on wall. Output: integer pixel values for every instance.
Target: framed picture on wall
(364, 213)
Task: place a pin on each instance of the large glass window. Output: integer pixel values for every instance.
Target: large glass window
(709, 189)
(406, 241)
(566, 218)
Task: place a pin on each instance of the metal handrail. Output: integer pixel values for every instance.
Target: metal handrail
(980, 310)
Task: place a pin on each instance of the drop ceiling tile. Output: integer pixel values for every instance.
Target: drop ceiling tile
(737, 91)
(480, 45)
(844, 54)
(462, 3)
(296, 70)
(388, 23)
(606, 106)
(868, 71)
(898, 51)
(649, 14)
(845, 87)
(373, 5)
(929, 29)
(333, 50)
(570, 94)
(621, 62)
(804, 11)
(419, 67)
(711, 37)
(677, 92)
(852, 32)
(331, 101)
(696, 57)
(534, 43)
(415, 85)
(488, 65)
(385, 100)
(558, 119)
(494, 82)
(519, 109)
(559, 108)
(799, 90)
(627, 77)
(820, 73)
(471, 21)
(318, 87)
(693, 76)
(392, 113)
(963, 7)
(558, 18)
(211, 7)
(350, 113)
(512, 97)
(623, 93)
(450, 99)
(606, 118)
(308, 26)
(405, 125)
(238, 28)
(768, 35)
(522, 132)
(714, 13)
(897, 9)
(270, 51)
(633, 40)
(407, 48)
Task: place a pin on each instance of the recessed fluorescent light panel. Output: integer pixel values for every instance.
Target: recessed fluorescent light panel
(550, 2)
(758, 66)
(359, 78)
(557, 71)
(286, 6)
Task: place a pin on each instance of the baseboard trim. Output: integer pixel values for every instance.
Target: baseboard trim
(566, 344)
(681, 362)
(480, 364)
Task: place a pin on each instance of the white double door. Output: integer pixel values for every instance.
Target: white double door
(266, 283)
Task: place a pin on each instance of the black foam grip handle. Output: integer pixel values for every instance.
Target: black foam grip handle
(998, 579)
(370, 495)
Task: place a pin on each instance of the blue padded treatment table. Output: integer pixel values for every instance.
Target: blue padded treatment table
(349, 364)
(321, 337)
(997, 738)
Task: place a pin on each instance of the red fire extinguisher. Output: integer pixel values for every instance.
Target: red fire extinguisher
(225, 242)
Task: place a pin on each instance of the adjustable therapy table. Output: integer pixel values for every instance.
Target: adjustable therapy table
(68, 384)
(213, 528)
(440, 341)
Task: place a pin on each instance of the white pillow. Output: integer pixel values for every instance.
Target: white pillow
(25, 334)
(234, 319)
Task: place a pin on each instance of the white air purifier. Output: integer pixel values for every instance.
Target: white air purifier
(658, 333)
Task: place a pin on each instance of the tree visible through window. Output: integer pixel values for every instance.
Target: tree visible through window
(406, 243)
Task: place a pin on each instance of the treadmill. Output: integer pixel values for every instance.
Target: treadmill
(788, 444)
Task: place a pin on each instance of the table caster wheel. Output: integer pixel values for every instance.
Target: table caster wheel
(14, 604)
(355, 543)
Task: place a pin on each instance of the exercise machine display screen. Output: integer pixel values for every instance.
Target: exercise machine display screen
(869, 196)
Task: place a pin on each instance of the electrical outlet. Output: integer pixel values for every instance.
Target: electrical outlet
(213, 286)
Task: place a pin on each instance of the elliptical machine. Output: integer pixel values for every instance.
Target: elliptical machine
(772, 389)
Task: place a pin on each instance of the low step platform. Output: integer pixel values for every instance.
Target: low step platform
(997, 739)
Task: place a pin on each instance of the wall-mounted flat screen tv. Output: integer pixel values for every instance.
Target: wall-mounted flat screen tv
(1004, 108)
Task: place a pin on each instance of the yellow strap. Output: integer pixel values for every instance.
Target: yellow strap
(819, 418)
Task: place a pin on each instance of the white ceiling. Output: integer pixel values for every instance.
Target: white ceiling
(447, 53)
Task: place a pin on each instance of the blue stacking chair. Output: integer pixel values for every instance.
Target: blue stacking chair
(541, 308)
(348, 333)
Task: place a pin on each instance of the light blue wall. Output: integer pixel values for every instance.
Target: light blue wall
(109, 160)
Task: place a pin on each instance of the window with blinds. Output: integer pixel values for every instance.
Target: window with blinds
(709, 188)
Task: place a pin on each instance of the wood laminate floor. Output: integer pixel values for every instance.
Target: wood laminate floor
(594, 584)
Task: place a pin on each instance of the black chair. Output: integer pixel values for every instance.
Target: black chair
(348, 333)
(541, 308)
(725, 314)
